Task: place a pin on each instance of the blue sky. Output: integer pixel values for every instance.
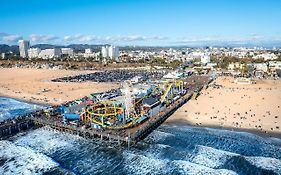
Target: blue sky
(141, 22)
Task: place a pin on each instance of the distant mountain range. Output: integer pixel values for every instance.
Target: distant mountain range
(4, 48)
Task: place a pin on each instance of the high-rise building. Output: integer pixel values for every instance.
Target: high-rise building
(34, 52)
(23, 47)
(111, 52)
(104, 51)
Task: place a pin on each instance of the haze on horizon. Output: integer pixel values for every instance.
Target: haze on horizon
(146, 22)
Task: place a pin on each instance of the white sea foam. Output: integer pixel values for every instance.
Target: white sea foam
(26, 155)
(20, 160)
(211, 157)
(189, 168)
(140, 164)
(267, 163)
(47, 141)
(159, 135)
(275, 140)
(163, 146)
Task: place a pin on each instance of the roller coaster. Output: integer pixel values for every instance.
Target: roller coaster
(111, 113)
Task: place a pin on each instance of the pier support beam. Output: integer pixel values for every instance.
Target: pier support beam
(129, 139)
(119, 141)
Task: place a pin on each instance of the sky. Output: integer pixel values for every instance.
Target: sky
(141, 22)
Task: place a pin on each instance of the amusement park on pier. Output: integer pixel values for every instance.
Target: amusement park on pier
(124, 115)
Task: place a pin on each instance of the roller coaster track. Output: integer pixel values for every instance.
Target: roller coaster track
(89, 113)
(163, 97)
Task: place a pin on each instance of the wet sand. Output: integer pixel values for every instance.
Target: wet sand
(254, 107)
(35, 85)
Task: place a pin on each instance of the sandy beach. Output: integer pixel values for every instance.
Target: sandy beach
(35, 85)
(254, 107)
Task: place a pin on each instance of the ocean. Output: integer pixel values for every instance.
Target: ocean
(171, 149)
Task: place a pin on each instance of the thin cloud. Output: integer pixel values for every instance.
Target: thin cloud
(42, 38)
(81, 38)
(124, 38)
(251, 38)
(11, 38)
(132, 38)
(159, 38)
(118, 38)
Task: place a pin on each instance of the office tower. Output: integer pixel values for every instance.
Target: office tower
(23, 47)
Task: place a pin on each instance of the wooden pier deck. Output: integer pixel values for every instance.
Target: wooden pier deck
(127, 136)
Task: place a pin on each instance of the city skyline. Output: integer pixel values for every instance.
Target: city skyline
(151, 23)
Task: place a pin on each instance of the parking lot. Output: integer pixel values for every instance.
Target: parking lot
(113, 76)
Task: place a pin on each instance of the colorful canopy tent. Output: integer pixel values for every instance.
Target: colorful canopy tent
(71, 116)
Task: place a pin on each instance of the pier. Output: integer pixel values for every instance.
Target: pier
(132, 135)
(10, 128)
(125, 136)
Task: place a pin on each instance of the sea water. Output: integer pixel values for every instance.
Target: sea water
(171, 149)
(10, 108)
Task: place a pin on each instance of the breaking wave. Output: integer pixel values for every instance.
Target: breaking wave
(171, 149)
(16, 159)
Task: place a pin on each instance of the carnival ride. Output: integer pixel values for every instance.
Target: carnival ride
(108, 111)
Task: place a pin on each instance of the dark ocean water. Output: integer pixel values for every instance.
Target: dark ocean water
(171, 149)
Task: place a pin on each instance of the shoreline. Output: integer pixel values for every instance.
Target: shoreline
(183, 122)
(26, 101)
(253, 108)
(35, 86)
(269, 134)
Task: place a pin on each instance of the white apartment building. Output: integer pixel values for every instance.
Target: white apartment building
(111, 52)
(23, 47)
(266, 56)
(50, 53)
(260, 67)
(104, 51)
(273, 65)
(205, 59)
(196, 54)
(88, 53)
(3, 55)
(34, 52)
(67, 51)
